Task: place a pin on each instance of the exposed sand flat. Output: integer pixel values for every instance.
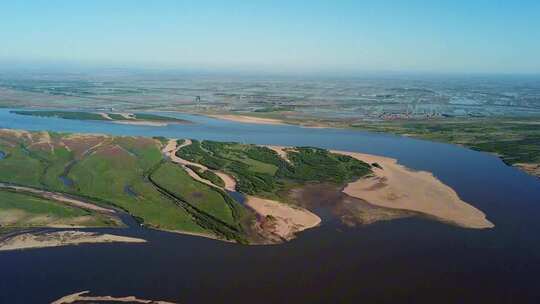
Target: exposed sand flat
(105, 115)
(286, 220)
(61, 238)
(59, 198)
(141, 123)
(170, 151)
(398, 187)
(80, 296)
(280, 151)
(532, 169)
(248, 119)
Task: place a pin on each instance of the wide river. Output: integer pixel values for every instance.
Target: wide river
(410, 260)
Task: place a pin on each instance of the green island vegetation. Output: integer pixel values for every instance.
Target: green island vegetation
(132, 174)
(62, 114)
(261, 171)
(97, 116)
(514, 140)
(24, 210)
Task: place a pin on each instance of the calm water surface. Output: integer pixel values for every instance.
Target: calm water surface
(408, 260)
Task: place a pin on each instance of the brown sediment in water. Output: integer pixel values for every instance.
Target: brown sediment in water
(351, 211)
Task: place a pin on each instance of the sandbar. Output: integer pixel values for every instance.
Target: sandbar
(61, 238)
(141, 123)
(395, 186)
(286, 220)
(248, 119)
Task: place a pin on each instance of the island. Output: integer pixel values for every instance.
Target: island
(145, 119)
(242, 193)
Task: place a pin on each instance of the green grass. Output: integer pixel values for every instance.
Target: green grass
(261, 171)
(115, 116)
(153, 117)
(515, 140)
(166, 196)
(175, 179)
(24, 210)
(19, 167)
(105, 177)
(63, 114)
(208, 175)
(95, 116)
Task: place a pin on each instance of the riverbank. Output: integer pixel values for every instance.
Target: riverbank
(248, 119)
(61, 238)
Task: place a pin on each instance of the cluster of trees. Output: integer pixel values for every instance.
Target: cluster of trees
(307, 164)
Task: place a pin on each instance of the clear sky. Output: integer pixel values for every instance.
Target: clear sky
(383, 35)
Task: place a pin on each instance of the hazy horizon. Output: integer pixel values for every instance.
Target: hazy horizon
(486, 37)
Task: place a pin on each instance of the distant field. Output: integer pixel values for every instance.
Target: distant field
(515, 141)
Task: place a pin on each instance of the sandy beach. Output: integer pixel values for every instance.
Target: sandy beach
(61, 238)
(395, 186)
(248, 119)
(81, 296)
(141, 123)
(285, 220)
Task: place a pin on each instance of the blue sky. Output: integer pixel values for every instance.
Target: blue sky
(431, 35)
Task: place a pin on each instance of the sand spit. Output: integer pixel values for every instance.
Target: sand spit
(248, 119)
(59, 197)
(395, 186)
(105, 116)
(170, 151)
(61, 238)
(281, 220)
(80, 297)
(141, 123)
